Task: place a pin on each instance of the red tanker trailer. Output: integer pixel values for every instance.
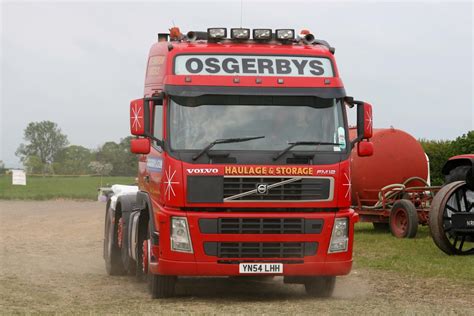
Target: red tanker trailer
(392, 188)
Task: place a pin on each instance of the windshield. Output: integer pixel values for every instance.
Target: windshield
(281, 120)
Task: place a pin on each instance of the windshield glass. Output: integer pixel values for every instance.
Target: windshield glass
(281, 120)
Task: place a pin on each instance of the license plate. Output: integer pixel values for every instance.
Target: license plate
(273, 268)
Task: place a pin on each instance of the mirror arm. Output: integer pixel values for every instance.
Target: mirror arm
(158, 141)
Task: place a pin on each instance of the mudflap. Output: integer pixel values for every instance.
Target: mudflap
(126, 204)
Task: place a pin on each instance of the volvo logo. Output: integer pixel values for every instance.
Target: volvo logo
(262, 188)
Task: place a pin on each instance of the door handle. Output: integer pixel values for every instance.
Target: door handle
(147, 179)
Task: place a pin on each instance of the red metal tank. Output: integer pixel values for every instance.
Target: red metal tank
(397, 157)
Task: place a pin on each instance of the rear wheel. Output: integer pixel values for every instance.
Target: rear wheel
(320, 286)
(112, 253)
(453, 198)
(403, 219)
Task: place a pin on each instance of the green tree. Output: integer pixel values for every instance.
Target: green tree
(72, 160)
(123, 161)
(2, 167)
(44, 140)
(464, 144)
(102, 169)
(33, 164)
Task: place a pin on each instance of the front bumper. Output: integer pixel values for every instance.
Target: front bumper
(167, 262)
(184, 268)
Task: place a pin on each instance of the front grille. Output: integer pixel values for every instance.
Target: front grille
(279, 189)
(261, 225)
(256, 225)
(260, 249)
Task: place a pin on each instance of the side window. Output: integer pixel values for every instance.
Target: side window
(158, 122)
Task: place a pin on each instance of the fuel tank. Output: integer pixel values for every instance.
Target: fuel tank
(397, 157)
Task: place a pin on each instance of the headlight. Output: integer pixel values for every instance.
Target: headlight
(262, 34)
(285, 34)
(180, 238)
(340, 235)
(217, 33)
(240, 34)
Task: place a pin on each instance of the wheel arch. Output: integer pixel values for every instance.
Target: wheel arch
(146, 207)
(454, 162)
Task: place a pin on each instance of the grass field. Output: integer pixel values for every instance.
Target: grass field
(45, 188)
(413, 257)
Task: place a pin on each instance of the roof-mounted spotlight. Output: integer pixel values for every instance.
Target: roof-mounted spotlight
(262, 34)
(217, 33)
(285, 34)
(240, 34)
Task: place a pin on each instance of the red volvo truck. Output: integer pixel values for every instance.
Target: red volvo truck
(244, 168)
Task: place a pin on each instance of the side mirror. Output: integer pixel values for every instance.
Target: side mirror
(365, 149)
(141, 112)
(140, 146)
(364, 121)
(139, 120)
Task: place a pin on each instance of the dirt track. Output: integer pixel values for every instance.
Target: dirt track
(51, 261)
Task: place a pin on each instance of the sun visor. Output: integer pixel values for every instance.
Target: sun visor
(196, 91)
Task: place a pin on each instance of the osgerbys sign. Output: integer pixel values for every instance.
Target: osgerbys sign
(253, 65)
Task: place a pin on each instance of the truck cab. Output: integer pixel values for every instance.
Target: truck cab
(244, 164)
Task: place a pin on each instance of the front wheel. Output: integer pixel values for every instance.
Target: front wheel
(320, 286)
(162, 286)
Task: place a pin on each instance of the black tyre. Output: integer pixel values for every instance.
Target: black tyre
(403, 219)
(457, 174)
(381, 227)
(320, 286)
(162, 286)
(112, 253)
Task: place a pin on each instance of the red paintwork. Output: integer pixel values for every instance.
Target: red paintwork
(200, 264)
(137, 122)
(140, 146)
(365, 149)
(397, 157)
(368, 127)
(157, 75)
(167, 186)
(465, 156)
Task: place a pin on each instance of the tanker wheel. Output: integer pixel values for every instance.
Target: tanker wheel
(453, 198)
(112, 252)
(381, 227)
(403, 219)
(320, 286)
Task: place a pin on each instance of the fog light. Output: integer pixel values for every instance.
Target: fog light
(285, 34)
(217, 33)
(180, 238)
(240, 34)
(262, 34)
(340, 235)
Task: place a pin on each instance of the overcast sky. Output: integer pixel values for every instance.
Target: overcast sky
(79, 64)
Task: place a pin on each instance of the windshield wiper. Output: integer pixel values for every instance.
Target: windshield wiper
(224, 141)
(294, 144)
